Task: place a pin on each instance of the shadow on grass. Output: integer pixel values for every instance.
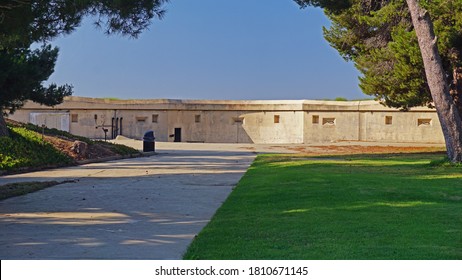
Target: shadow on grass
(361, 207)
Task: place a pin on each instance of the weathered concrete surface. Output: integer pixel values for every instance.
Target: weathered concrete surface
(143, 208)
(239, 121)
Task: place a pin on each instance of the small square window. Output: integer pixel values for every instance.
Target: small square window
(388, 120)
(74, 118)
(315, 119)
(197, 118)
(277, 118)
(155, 118)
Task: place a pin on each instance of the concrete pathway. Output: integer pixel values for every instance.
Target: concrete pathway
(142, 208)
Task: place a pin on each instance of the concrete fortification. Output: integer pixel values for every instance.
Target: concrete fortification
(230, 121)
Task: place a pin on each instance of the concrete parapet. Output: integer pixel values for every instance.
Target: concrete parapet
(238, 121)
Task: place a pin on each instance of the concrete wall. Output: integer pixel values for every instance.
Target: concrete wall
(401, 127)
(274, 122)
(274, 127)
(331, 126)
(225, 127)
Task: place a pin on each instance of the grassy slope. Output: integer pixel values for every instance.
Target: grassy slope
(26, 149)
(398, 207)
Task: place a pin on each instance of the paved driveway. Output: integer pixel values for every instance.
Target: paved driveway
(143, 208)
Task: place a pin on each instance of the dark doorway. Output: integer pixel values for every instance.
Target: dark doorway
(177, 135)
(120, 126)
(116, 127)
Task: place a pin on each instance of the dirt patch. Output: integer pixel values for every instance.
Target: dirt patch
(357, 149)
(94, 150)
(248, 148)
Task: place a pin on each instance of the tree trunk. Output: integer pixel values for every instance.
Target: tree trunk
(456, 88)
(3, 128)
(446, 108)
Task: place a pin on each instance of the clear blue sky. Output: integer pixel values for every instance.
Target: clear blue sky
(211, 49)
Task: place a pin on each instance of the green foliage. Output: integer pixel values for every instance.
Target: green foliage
(352, 207)
(379, 37)
(116, 148)
(22, 75)
(23, 70)
(331, 5)
(25, 148)
(25, 22)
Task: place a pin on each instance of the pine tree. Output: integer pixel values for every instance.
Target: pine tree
(24, 22)
(379, 36)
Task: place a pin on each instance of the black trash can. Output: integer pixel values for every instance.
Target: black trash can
(148, 141)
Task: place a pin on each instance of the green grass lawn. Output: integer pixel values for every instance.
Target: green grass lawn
(350, 207)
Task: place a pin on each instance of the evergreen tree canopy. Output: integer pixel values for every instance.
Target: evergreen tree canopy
(408, 51)
(22, 74)
(24, 22)
(378, 36)
(330, 5)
